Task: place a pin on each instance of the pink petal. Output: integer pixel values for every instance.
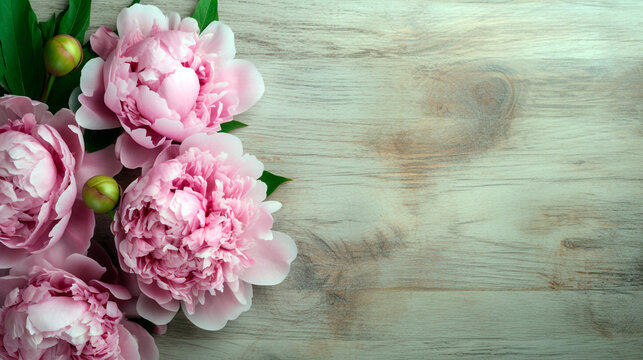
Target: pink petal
(77, 235)
(91, 77)
(83, 267)
(154, 292)
(244, 81)
(217, 38)
(180, 90)
(103, 41)
(118, 291)
(168, 153)
(8, 283)
(101, 162)
(146, 346)
(140, 18)
(127, 343)
(132, 155)
(272, 260)
(215, 143)
(56, 313)
(250, 166)
(151, 105)
(218, 309)
(152, 311)
(93, 114)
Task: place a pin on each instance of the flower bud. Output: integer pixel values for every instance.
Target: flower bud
(101, 193)
(63, 54)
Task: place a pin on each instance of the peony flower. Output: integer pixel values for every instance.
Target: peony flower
(67, 313)
(43, 166)
(163, 81)
(195, 230)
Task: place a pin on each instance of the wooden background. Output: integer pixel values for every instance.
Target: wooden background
(468, 178)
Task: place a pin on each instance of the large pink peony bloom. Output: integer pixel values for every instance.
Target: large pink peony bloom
(43, 166)
(195, 230)
(162, 81)
(67, 313)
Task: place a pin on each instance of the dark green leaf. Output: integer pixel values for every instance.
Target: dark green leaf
(48, 28)
(273, 181)
(135, 2)
(231, 125)
(64, 85)
(99, 139)
(205, 12)
(76, 19)
(21, 40)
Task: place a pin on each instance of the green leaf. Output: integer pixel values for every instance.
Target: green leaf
(21, 41)
(135, 2)
(75, 21)
(48, 28)
(99, 139)
(273, 181)
(64, 85)
(205, 12)
(231, 125)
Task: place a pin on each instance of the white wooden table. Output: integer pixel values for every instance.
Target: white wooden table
(468, 178)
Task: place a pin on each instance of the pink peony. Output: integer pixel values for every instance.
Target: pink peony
(162, 81)
(42, 168)
(195, 230)
(67, 313)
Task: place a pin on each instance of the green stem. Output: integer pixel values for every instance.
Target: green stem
(50, 84)
(111, 214)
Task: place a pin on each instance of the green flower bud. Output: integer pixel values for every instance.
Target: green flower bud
(101, 194)
(63, 54)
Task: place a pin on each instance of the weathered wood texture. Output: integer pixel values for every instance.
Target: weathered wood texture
(468, 178)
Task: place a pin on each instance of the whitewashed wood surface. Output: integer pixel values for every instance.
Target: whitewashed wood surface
(469, 178)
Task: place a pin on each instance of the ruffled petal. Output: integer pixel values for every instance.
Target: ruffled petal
(217, 38)
(132, 155)
(141, 18)
(103, 41)
(244, 81)
(83, 267)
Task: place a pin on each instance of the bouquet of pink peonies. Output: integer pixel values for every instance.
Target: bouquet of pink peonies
(192, 232)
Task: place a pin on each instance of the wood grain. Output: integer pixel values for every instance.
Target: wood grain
(468, 178)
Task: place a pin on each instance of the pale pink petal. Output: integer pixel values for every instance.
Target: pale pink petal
(66, 199)
(168, 153)
(56, 313)
(217, 38)
(127, 343)
(140, 18)
(101, 162)
(180, 90)
(152, 311)
(190, 25)
(151, 105)
(215, 143)
(244, 81)
(103, 41)
(173, 129)
(271, 206)
(218, 309)
(146, 346)
(272, 260)
(91, 77)
(132, 155)
(83, 267)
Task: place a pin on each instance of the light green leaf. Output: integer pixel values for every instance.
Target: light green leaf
(75, 21)
(272, 181)
(231, 125)
(21, 41)
(205, 12)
